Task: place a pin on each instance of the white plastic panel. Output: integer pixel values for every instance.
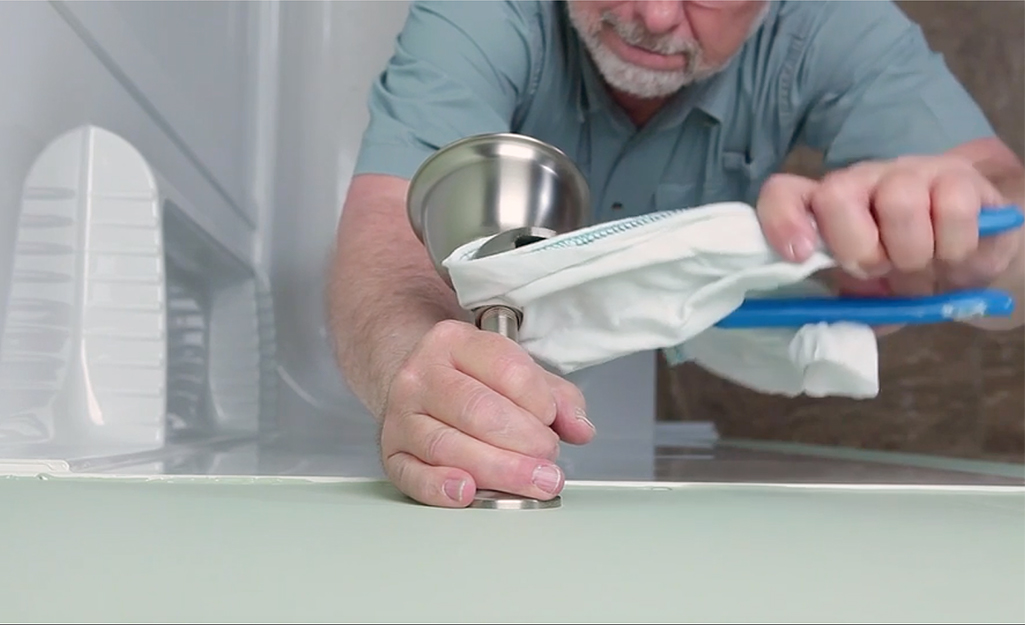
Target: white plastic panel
(165, 332)
(54, 83)
(127, 327)
(83, 347)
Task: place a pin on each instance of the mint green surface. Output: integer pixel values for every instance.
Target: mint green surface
(262, 550)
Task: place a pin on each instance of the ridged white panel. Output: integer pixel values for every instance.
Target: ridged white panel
(234, 358)
(241, 356)
(83, 350)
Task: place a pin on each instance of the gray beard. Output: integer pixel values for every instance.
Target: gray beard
(642, 82)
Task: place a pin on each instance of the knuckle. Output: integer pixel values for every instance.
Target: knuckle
(446, 331)
(407, 381)
(776, 182)
(483, 408)
(570, 393)
(956, 199)
(834, 180)
(518, 376)
(412, 480)
(551, 449)
(901, 198)
(836, 189)
(437, 445)
(397, 467)
(543, 446)
(775, 197)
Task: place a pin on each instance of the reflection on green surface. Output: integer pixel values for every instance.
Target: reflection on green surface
(271, 549)
(999, 469)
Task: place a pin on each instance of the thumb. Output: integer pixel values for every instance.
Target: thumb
(785, 218)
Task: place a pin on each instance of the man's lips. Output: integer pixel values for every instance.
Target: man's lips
(642, 57)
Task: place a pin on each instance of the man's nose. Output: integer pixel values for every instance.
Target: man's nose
(660, 16)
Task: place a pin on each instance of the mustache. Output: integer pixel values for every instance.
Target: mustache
(639, 37)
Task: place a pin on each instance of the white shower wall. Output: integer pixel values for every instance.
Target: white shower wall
(328, 53)
(250, 115)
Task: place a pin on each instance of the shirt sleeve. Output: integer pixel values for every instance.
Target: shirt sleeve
(458, 69)
(869, 87)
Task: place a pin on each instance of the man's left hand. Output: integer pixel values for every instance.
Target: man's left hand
(907, 226)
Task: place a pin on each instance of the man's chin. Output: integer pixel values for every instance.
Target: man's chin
(644, 83)
(648, 87)
(639, 82)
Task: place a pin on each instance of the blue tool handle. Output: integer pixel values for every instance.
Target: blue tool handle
(874, 311)
(999, 219)
(796, 312)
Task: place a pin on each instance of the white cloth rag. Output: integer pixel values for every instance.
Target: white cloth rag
(662, 281)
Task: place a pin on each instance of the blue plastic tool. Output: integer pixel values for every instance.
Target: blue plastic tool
(876, 311)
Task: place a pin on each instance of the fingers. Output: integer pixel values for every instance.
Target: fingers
(993, 256)
(571, 422)
(506, 368)
(841, 208)
(470, 410)
(434, 486)
(906, 217)
(989, 257)
(466, 404)
(955, 212)
(434, 444)
(784, 218)
(901, 202)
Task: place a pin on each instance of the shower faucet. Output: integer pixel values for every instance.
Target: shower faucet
(515, 189)
(511, 189)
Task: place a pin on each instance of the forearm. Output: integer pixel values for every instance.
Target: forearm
(384, 294)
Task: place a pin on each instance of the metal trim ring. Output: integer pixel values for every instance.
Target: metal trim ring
(495, 500)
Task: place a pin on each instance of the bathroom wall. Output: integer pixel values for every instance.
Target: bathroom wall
(945, 389)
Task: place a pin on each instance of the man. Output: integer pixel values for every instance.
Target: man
(663, 105)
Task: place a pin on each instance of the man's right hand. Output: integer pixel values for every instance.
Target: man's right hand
(469, 410)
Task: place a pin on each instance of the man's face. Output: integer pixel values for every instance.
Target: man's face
(653, 48)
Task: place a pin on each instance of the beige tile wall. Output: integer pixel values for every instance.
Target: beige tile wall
(946, 390)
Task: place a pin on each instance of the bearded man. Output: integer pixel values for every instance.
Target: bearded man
(662, 105)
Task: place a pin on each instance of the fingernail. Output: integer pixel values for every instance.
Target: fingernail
(855, 271)
(582, 416)
(868, 273)
(879, 270)
(800, 248)
(547, 478)
(454, 489)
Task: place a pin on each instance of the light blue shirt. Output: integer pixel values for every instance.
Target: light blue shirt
(855, 80)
